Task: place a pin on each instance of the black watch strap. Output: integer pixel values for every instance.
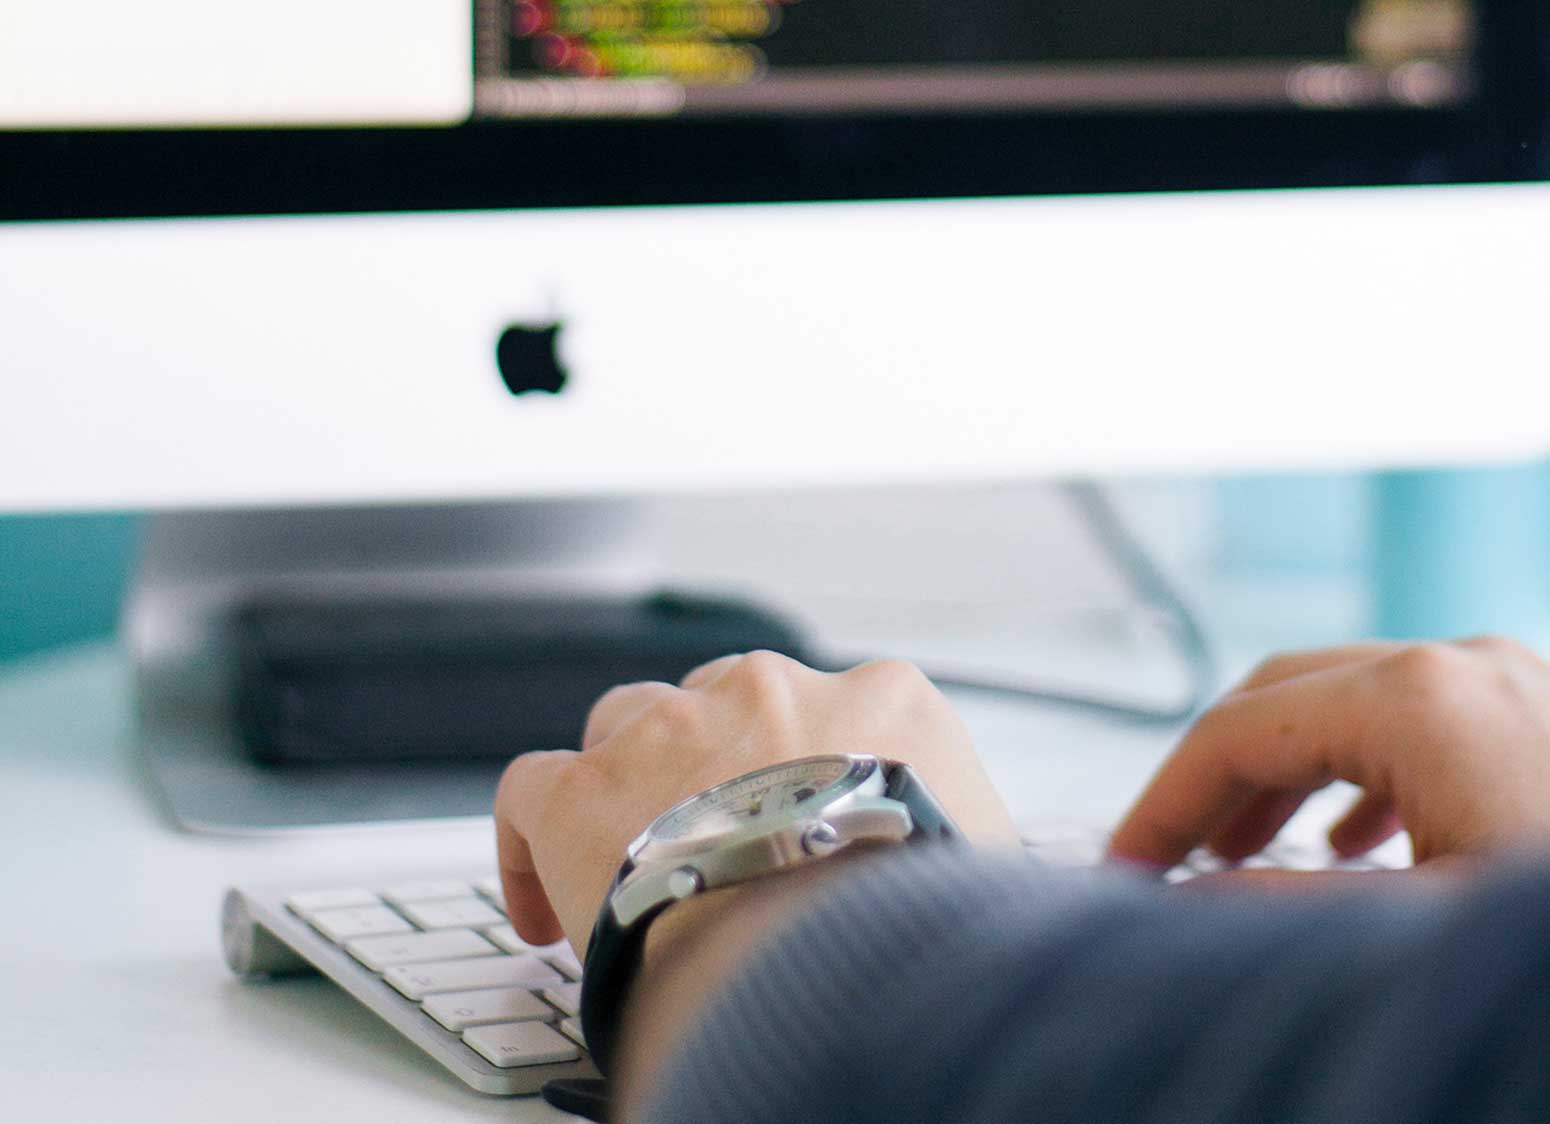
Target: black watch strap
(614, 952)
(932, 823)
(613, 959)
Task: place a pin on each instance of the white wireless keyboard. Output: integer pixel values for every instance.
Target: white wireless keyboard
(439, 961)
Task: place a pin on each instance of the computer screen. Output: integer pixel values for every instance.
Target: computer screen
(664, 57)
(180, 107)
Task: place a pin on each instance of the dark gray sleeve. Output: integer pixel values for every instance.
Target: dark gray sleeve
(944, 987)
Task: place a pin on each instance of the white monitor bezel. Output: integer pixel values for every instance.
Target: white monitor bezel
(321, 360)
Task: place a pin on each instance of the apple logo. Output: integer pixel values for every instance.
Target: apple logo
(529, 359)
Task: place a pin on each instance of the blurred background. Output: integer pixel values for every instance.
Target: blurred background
(1085, 349)
(1293, 559)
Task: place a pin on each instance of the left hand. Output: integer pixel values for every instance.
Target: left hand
(564, 819)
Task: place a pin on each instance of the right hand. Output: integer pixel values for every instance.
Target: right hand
(1448, 741)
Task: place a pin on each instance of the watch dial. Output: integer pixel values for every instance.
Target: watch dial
(744, 802)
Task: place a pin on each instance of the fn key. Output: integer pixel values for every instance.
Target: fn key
(513, 1044)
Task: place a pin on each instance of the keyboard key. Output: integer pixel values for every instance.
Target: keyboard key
(566, 996)
(416, 981)
(340, 925)
(1360, 863)
(459, 1010)
(1300, 856)
(314, 900)
(1204, 861)
(406, 892)
(1068, 846)
(491, 888)
(506, 937)
(381, 953)
(513, 1044)
(1265, 861)
(563, 962)
(572, 1030)
(457, 913)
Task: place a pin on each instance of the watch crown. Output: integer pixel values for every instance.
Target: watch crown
(684, 881)
(820, 839)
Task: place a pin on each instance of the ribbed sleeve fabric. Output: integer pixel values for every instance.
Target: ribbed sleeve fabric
(937, 985)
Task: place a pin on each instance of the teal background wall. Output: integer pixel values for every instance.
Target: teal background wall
(62, 578)
(1308, 523)
(1433, 553)
(1463, 551)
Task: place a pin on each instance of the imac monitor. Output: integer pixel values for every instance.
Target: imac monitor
(386, 255)
(759, 241)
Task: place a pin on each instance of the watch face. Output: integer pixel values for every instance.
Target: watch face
(759, 798)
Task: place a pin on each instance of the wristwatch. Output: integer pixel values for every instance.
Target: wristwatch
(765, 821)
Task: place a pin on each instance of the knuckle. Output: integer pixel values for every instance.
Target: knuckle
(517, 770)
(760, 678)
(761, 665)
(906, 689)
(1271, 669)
(671, 713)
(539, 770)
(556, 791)
(612, 697)
(510, 782)
(1493, 644)
(702, 670)
(895, 673)
(1212, 726)
(1429, 669)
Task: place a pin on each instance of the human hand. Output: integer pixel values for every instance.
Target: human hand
(1448, 741)
(564, 819)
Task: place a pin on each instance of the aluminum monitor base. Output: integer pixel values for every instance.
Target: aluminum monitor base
(195, 567)
(210, 783)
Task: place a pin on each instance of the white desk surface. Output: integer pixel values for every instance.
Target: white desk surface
(118, 1005)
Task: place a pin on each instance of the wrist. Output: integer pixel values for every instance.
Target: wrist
(695, 948)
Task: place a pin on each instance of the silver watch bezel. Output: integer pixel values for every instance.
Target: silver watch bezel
(667, 870)
(862, 772)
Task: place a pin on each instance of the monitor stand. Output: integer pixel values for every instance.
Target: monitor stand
(195, 568)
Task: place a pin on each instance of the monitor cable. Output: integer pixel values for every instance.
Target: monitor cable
(1153, 592)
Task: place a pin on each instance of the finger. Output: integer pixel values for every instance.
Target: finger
(618, 707)
(527, 903)
(1289, 665)
(708, 673)
(1256, 823)
(1502, 648)
(524, 786)
(1295, 735)
(1372, 820)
